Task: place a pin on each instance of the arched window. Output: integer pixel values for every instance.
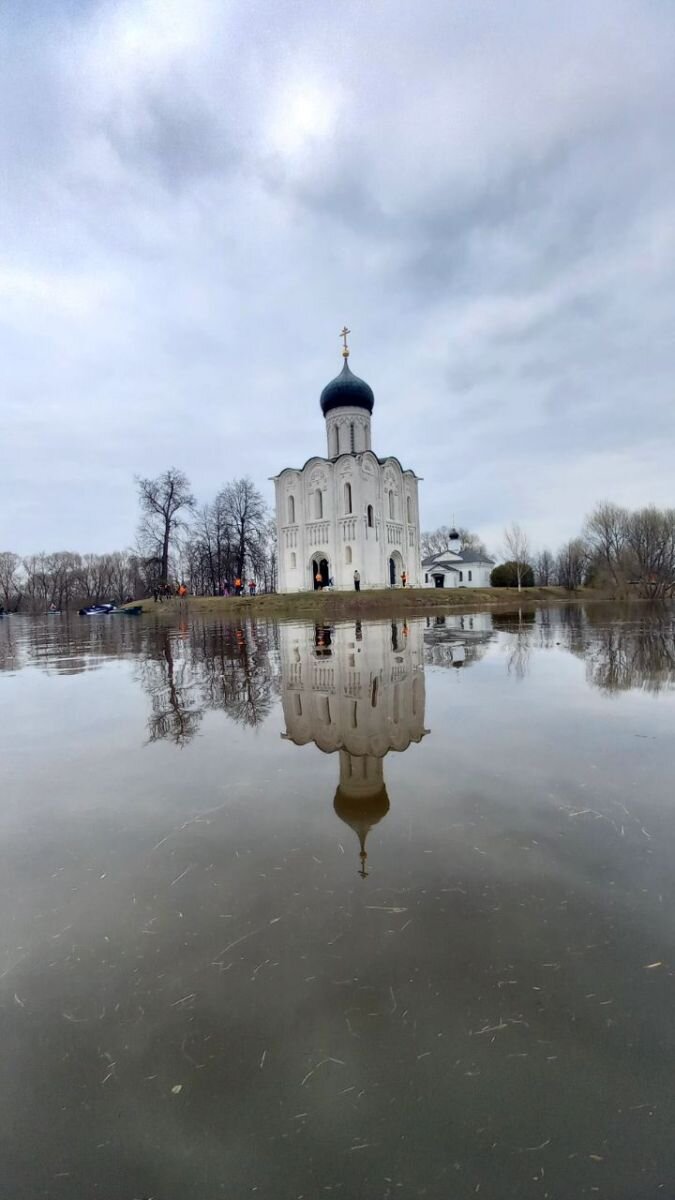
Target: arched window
(291, 510)
(318, 504)
(391, 506)
(348, 554)
(334, 442)
(369, 513)
(294, 561)
(352, 438)
(348, 497)
(408, 503)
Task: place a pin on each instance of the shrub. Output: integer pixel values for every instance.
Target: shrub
(506, 575)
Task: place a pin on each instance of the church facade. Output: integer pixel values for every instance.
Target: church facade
(350, 511)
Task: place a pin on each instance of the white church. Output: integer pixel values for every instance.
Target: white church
(349, 511)
(457, 567)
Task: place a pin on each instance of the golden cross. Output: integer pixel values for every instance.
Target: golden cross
(343, 335)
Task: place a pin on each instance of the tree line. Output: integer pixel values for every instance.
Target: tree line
(231, 537)
(618, 549)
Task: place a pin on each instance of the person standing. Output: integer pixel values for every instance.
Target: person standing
(357, 582)
(237, 587)
(318, 580)
(404, 577)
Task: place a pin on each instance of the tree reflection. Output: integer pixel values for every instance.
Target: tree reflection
(623, 656)
(199, 668)
(169, 681)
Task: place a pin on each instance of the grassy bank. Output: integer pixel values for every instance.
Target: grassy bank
(331, 606)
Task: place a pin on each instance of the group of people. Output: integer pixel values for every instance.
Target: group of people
(164, 591)
(238, 588)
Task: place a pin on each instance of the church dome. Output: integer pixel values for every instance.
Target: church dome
(347, 391)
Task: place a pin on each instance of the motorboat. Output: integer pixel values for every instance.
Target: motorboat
(111, 610)
(98, 610)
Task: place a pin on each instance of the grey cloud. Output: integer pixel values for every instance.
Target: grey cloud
(197, 198)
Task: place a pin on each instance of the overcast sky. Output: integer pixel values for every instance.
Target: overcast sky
(196, 196)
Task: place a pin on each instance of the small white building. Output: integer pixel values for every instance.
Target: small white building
(350, 510)
(456, 567)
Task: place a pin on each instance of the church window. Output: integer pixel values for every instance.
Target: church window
(469, 577)
(426, 578)
(371, 520)
(352, 438)
(291, 510)
(461, 577)
(324, 710)
(391, 506)
(348, 554)
(293, 561)
(318, 504)
(334, 442)
(373, 694)
(355, 719)
(409, 508)
(297, 701)
(348, 497)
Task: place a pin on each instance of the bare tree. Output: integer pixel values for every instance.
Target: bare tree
(606, 532)
(435, 541)
(544, 568)
(162, 500)
(651, 538)
(517, 550)
(572, 564)
(10, 568)
(246, 515)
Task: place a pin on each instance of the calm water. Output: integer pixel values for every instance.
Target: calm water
(382, 910)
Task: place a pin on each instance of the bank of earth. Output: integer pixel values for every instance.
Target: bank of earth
(328, 606)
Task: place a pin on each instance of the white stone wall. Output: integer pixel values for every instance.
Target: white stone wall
(313, 521)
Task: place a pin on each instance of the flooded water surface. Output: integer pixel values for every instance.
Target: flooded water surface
(371, 910)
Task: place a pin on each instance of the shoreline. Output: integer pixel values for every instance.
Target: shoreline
(330, 606)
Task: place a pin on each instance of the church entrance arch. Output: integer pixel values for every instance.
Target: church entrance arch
(395, 568)
(319, 566)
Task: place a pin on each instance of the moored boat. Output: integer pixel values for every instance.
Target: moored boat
(98, 610)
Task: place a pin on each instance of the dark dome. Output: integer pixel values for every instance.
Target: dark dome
(346, 391)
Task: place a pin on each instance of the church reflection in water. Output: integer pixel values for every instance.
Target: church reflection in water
(356, 690)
